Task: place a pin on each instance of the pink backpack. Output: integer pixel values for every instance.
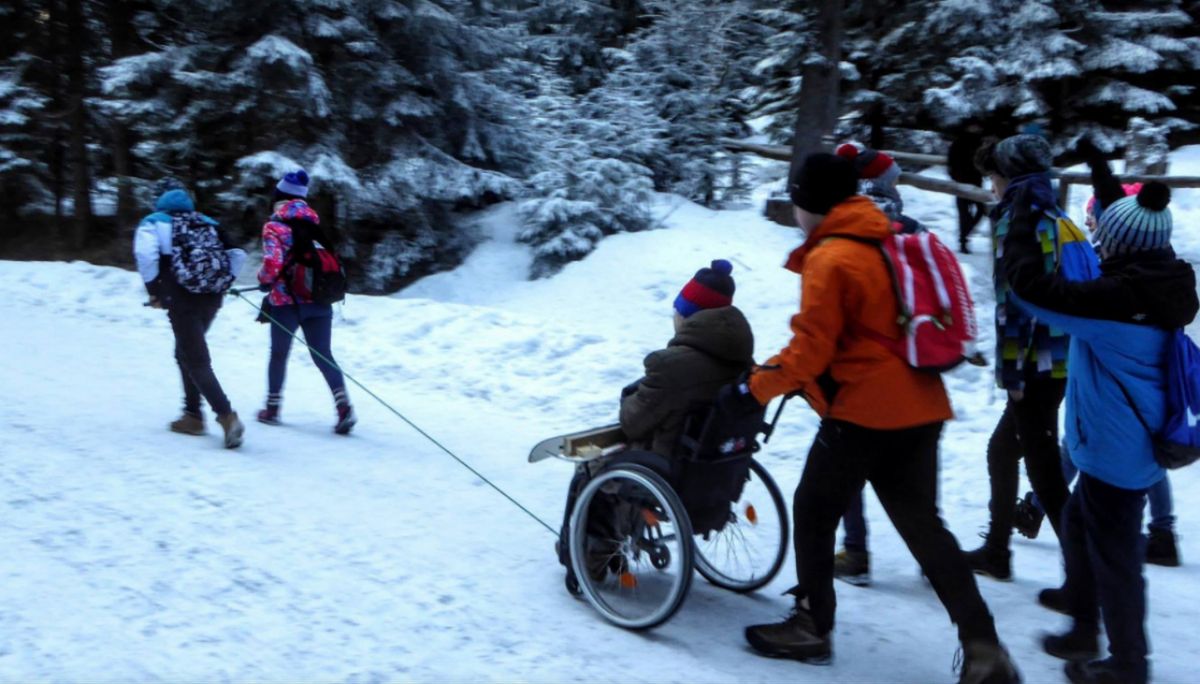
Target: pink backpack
(937, 316)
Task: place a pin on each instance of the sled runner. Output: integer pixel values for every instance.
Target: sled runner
(637, 523)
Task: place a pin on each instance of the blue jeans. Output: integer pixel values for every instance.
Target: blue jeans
(855, 524)
(1162, 507)
(317, 322)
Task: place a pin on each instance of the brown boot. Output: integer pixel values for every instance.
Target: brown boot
(233, 429)
(188, 424)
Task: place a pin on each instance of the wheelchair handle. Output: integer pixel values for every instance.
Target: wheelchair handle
(769, 429)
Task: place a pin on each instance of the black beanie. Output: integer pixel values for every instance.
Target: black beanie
(822, 182)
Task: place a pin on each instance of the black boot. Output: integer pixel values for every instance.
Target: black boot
(795, 638)
(991, 561)
(1161, 549)
(1027, 518)
(1054, 599)
(1081, 643)
(1107, 671)
(985, 663)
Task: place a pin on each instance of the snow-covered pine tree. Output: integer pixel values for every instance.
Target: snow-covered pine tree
(686, 64)
(586, 186)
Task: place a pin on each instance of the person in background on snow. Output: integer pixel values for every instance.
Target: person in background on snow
(877, 173)
(190, 314)
(1120, 325)
(291, 311)
(1161, 548)
(881, 421)
(1031, 356)
(960, 162)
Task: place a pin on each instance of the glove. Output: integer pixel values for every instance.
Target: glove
(631, 388)
(264, 287)
(154, 303)
(736, 400)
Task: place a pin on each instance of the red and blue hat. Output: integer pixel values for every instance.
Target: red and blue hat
(710, 288)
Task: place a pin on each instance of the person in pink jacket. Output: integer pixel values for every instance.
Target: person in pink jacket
(293, 223)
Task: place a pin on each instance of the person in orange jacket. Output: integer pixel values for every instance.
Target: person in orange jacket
(881, 421)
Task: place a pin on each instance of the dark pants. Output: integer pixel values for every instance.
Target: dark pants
(191, 316)
(969, 214)
(1028, 428)
(902, 466)
(855, 525)
(317, 322)
(1162, 506)
(1104, 551)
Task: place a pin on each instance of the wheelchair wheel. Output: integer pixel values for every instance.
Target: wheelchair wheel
(748, 552)
(631, 547)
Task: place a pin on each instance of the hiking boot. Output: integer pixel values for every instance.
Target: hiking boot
(1082, 642)
(986, 663)
(853, 567)
(233, 429)
(991, 562)
(1055, 600)
(1027, 518)
(1106, 671)
(269, 415)
(345, 419)
(188, 424)
(1161, 549)
(795, 638)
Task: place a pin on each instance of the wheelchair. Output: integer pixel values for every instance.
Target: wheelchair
(637, 524)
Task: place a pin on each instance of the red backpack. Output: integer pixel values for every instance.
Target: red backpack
(937, 316)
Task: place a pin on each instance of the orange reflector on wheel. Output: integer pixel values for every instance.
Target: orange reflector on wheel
(751, 514)
(649, 516)
(628, 581)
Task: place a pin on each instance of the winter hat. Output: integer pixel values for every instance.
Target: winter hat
(293, 184)
(1021, 155)
(1129, 188)
(1137, 223)
(710, 288)
(822, 182)
(870, 164)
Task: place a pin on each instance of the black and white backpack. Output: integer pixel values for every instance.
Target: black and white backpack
(198, 257)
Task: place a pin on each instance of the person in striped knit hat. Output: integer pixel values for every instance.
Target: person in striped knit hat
(1121, 324)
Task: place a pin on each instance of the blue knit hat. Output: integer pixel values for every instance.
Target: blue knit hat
(710, 288)
(1137, 223)
(294, 183)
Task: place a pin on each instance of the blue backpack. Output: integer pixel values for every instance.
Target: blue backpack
(1178, 444)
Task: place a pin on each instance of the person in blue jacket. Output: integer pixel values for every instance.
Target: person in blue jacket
(1119, 325)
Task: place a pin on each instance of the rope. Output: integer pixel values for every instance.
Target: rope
(399, 415)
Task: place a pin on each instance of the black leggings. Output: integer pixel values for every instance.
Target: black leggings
(1028, 428)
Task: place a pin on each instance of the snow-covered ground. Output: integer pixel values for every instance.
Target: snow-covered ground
(130, 553)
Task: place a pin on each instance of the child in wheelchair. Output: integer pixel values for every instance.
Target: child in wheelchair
(712, 346)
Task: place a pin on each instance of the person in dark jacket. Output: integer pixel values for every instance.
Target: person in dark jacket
(190, 314)
(712, 346)
(1031, 356)
(960, 162)
(1120, 324)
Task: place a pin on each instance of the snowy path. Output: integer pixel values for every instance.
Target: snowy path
(134, 554)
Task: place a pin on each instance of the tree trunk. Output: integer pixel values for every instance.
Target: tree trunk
(120, 18)
(76, 91)
(57, 159)
(817, 112)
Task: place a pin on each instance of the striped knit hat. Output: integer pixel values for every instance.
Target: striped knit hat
(870, 164)
(1137, 223)
(710, 288)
